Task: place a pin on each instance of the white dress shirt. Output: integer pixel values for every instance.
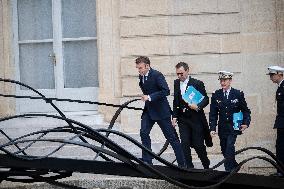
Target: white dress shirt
(144, 78)
(183, 85)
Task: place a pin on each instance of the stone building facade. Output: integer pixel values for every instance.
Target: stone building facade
(241, 36)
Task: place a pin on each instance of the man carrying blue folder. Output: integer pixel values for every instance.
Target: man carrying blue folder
(189, 100)
(228, 108)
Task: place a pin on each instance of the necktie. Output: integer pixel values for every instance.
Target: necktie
(226, 94)
(144, 78)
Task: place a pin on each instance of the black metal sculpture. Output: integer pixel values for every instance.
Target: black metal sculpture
(116, 159)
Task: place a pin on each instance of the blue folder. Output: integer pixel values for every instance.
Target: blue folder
(237, 120)
(192, 96)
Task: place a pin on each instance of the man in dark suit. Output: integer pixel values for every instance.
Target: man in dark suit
(276, 76)
(224, 103)
(193, 126)
(157, 109)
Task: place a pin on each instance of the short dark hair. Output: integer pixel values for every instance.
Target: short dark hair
(143, 59)
(182, 64)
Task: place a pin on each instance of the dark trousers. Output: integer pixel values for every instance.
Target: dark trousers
(192, 135)
(168, 131)
(280, 145)
(227, 143)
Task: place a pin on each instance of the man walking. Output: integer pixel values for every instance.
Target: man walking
(276, 76)
(224, 103)
(156, 110)
(192, 123)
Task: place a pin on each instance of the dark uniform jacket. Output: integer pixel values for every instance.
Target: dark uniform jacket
(181, 107)
(279, 122)
(222, 109)
(157, 88)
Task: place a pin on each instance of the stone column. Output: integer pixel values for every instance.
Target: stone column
(108, 52)
(7, 105)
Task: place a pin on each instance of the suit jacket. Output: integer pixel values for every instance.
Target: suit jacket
(222, 109)
(279, 121)
(157, 88)
(180, 107)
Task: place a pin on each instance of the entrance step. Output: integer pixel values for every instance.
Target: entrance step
(24, 125)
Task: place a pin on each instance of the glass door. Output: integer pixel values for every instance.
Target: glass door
(79, 70)
(56, 52)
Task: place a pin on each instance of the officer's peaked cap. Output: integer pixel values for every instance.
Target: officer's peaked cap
(275, 70)
(225, 75)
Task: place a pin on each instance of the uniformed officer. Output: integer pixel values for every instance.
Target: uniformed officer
(276, 76)
(224, 103)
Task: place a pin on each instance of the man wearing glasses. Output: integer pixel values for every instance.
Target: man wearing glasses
(190, 117)
(276, 76)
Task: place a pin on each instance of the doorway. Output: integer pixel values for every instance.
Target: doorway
(55, 50)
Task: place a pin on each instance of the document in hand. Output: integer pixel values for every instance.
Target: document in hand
(192, 96)
(237, 120)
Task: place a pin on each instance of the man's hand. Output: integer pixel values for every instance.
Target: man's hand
(174, 122)
(213, 133)
(144, 98)
(193, 107)
(243, 127)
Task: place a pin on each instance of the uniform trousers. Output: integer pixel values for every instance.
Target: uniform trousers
(280, 145)
(227, 143)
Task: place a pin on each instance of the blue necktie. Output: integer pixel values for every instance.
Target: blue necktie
(144, 78)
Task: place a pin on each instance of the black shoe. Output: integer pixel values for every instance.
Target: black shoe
(206, 164)
(190, 167)
(280, 175)
(182, 166)
(147, 162)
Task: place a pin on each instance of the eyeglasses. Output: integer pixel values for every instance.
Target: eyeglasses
(181, 74)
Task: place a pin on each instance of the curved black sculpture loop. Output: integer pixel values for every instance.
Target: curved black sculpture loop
(108, 149)
(47, 100)
(116, 151)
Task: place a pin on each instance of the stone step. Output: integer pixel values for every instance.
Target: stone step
(96, 181)
(21, 126)
(87, 118)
